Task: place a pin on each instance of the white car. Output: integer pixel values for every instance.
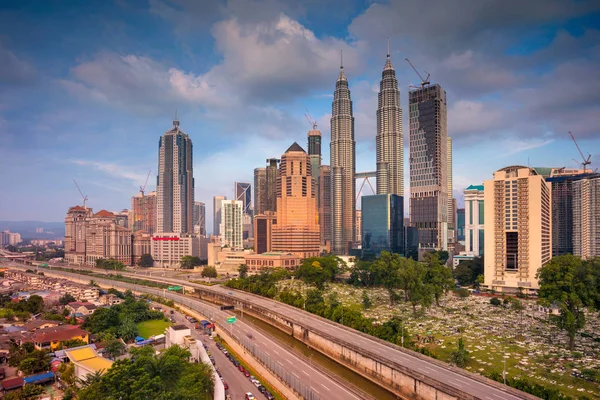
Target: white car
(250, 396)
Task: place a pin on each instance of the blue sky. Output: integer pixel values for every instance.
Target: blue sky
(87, 88)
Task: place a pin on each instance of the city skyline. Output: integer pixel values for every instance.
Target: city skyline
(106, 80)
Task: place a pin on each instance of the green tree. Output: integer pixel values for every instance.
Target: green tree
(66, 299)
(412, 281)
(567, 282)
(463, 274)
(495, 301)
(69, 344)
(366, 300)
(114, 348)
(189, 262)
(319, 270)
(91, 379)
(145, 261)
(438, 277)
(35, 361)
(243, 270)
(386, 267)
(315, 303)
(460, 356)
(209, 272)
(28, 392)
(67, 373)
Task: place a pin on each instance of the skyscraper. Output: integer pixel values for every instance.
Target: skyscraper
(297, 230)
(586, 217)
(199, 218)
(450, 183)
(428, 165)
(518, 228)
(314, 152)
(243, 193)
(382, 224)
(260, 190)
(474, 220)
(342, 167)
(390, 139)
(143, 212)
(217, 200)
(232, 233)
(325, 204)
(175, 182)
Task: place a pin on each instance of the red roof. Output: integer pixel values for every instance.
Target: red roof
(104, 213)
(58, 335)
(12, 383)
(77, 208)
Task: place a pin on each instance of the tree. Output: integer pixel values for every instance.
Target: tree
(28, 392)
(460, 356)
(114, 348)
(495, 301)
(243, 270)
(438, 276)
(209, 272)
(319, 270)
(110, 263)
(386, 267)
(412, 280)
(145, 261)
(67, 373)
(568, 282)
(66, 299)
(68, 344)
(189, 262)
(463, 274)
(315, 303)
(366, 300)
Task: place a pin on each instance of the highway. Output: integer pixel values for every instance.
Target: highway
(296, 371)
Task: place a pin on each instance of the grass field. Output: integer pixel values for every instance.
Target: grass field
(152, 327)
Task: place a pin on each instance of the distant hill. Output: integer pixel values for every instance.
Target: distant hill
(27, 229)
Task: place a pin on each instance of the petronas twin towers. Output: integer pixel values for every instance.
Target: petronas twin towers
(390, 154)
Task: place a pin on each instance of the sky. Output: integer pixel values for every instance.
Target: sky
(87, 88)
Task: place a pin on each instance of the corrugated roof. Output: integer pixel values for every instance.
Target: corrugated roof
(81, 354)
(96, 364)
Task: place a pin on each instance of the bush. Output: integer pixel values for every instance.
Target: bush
(462, 293)
(209, 272)
(495, 301)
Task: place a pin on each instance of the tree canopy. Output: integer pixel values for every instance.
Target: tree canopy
(209, 272)
(145, 261)
(110, 263)
(189, 262)
(319, 270)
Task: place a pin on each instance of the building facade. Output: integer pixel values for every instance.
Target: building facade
(382, 224)
(75, 234)
(390, 138)
(232, 224)
(518, 228)
(260, 190)
(258, 262)
(169, 248)
(106, 239)
(199, 218)
(474, 220)
(297, 230)
(586, 217)
(243, 193)
(263, 231)
(428, 161)
(217, 214)
(175, 182)
(460, 224)
(342, 168)
(325, 204)
(143, 212)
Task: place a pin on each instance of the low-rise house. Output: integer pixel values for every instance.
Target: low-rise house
(82, 308)
(50, 338)
(110, 299)
(36, 324)
(87, 361)
(48, 284)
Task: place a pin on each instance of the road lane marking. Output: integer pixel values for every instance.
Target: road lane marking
(275, 351)
(454, 383)
(305, 372)
(325, 387)
(289, 361)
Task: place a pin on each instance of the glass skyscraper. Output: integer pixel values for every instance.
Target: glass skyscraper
(382, 223)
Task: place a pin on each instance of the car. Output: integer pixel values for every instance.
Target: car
(262, 389)
(269, 396)
(236, 363)
(193, 320)
(172, 312)
(205, 346)
(257, 383)
(247, 373)
(249, 396)
(241, 368)
(225, 385)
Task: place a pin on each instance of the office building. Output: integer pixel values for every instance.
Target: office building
(474, 223)
(175, 182)
(271, 188)
(143, 212)
(586, 217)
(10, 238)
(106, 239)
(259, 262)
(382, 224)
(169, 248)
(314, 152)
(75, 234)
(358, 224)
(460, 224)
(325, 204)
(243, 193)
(260, 190)
(232, 229)
(428, 166)
(518, 229)
(297, 230)
(142, 244)
(263, 231)
(217, 214)
(342, 168)
(450, 187)
(199, 218)
(390, 138)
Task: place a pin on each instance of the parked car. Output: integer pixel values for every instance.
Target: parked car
(247, 373)
(236, 363)
(193, 320)
(172, 311)
(249, 396)
(262, 389)
(241, 368)
(225, 385)
(269, 396)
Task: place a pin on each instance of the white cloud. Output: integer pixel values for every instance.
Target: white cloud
(114, 170)
(514, 146)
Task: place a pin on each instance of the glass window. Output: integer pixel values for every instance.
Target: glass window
(480, 212)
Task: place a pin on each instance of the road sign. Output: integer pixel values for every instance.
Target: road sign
(227, 307)
(174, 288)
(231, 320)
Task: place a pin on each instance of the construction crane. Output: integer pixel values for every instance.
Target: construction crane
(84, 197)
(585, 161)
(310, 120)
(425, 81)
(143, 188)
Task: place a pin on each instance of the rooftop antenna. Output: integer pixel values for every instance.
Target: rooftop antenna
(388, 55)
(176, 120)
(84, 197)
(341, 59)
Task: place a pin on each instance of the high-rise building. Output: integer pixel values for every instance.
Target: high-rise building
(586, 217)
(243, 193)
(75, 234)
(382, 224)
(358, 224)
(297, 230)
(263, 230)
(342, 168)
(450, 187)
(260, 190)
(518, 228)
(232, 216)
(460, 224)
(200, 218)
(143, 212)
(474, 220)
(314, 152)
(175, 182)
(217, 214)
(325, 204)
(390, 138)
(428, 166)
(271, 188)
(105, 239)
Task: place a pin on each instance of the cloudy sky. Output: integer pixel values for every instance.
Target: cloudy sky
(87, 88)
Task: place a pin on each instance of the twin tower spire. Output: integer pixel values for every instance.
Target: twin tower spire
(390, 153)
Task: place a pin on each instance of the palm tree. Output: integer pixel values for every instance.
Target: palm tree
(90, 379)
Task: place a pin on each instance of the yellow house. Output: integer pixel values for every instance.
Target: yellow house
(50, 338)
